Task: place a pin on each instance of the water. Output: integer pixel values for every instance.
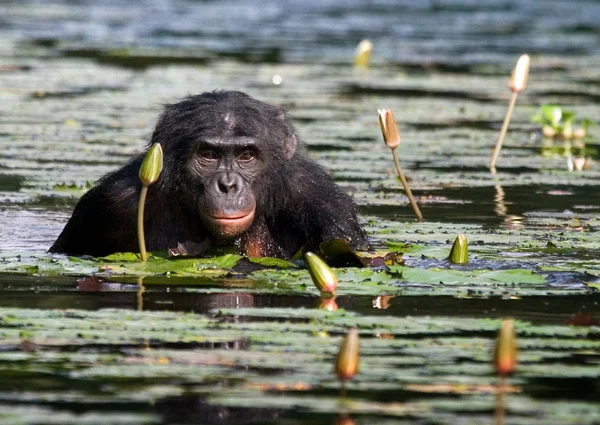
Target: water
(440, 31)
(81, 84)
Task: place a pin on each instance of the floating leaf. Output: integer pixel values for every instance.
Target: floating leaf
(551, 114)
(337, 252)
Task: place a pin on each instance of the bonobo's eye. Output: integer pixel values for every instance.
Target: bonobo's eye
(246, 156)
(208, 156)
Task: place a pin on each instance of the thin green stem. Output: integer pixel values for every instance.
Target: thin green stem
(496, 154)
(411, 198)
(140, 222)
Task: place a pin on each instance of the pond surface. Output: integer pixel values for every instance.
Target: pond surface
(227, 341)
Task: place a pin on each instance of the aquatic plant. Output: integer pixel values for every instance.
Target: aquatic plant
(346, 364)
(505, 354)
(557, 122)
(362, 54)
(149, 172)
(505, 361)
(459, 254)
(322, 276)
(517, 83)
(391, 137)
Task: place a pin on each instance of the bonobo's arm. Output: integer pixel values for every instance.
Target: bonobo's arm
(322, 211)
(104, 220)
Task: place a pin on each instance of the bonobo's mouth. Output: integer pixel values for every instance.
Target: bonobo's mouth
(229, 226)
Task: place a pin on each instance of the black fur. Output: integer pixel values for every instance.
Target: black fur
(297, 203)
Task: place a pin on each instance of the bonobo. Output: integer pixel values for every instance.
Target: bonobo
(234, 174)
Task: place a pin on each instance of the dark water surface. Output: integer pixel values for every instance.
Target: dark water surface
(73, 293)
(449, 32)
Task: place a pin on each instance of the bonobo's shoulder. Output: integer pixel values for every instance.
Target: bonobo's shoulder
(304, 166)
(119, 184)
(126, 174)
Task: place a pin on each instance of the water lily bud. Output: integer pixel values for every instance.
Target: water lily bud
(389, 129)
(152, 165)
(579, 133)
(548, 131)
(505, 355)
(567, 131)
(459, 254)
(322, 276)
(362, 55)
(346, 365)
(518, 79)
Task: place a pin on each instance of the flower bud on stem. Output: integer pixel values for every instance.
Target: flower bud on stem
(505, 354)
(362, 55)
(346, 365)
(322, 276)
(391, 137)
(517, 83)
(149, 172)
(505, 361)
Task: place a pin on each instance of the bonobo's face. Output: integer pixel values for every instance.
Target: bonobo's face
(226, 168)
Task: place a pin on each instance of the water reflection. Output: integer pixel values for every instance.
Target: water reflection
(510, 221)
(344, 420)
(578, 155)
(327, 303)
(382, 302)
(92, 293)
(500, 207)
(140, 293)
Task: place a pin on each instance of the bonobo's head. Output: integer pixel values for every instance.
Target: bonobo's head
(221, 149)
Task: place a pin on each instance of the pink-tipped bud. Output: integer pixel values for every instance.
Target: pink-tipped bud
(346, 365)
(518, 79)
(505, 355)
(322, 276)
(389, 129)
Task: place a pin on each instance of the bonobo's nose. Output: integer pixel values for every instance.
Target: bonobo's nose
(229, 183)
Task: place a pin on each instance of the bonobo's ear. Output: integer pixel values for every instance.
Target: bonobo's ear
(289, 146)
(290, 141)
